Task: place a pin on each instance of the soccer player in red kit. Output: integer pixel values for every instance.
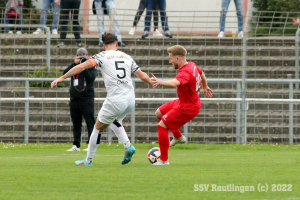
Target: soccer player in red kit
(174, 114)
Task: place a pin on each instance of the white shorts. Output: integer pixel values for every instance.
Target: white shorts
(112, 111)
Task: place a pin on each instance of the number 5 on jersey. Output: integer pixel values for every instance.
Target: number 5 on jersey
(120, 68)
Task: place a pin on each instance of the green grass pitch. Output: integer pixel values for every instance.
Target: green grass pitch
(47, 171)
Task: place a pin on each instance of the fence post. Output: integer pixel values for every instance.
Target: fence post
(48, 46)
(186, 132)
(238, 113)
(26, 112)
(244, 74)
(297, 58)
(291, 117)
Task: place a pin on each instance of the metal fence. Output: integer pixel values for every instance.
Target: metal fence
(241, 134)
(268, 50)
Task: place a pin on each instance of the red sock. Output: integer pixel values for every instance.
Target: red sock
(177, 134)
(164, 142)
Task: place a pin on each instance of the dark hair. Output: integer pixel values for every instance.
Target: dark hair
(109, 38)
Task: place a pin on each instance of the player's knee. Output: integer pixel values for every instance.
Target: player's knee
(161, 123)
(158, 114)
(97, 126)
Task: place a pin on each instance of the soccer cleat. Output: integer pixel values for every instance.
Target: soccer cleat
(38, 31)
(74, 148)
(19, 32)
(10, 32)
(221, 34)
(128, 154)
(168, 35)
(156, 33)
(241, 34)
(145, 35)
(160, 162)
(132, 31)
(175, 141)
(54, 32)
(83, 163)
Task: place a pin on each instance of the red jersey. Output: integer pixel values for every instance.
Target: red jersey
(190, 81)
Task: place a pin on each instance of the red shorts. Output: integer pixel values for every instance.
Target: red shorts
(175, 115)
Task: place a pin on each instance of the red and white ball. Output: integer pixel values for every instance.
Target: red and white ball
(153, 155)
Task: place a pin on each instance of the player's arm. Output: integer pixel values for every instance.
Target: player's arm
(143, 76)
(206, 90)
(75, 70)
(169, 83)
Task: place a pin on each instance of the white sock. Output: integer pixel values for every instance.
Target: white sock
(93, 144)
(120, 133)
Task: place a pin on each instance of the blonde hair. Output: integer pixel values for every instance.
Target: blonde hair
(177, 50)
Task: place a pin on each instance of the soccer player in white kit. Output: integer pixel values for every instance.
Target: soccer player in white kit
(116, 68)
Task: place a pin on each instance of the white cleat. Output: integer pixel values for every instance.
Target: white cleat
(10, 32)
(19, 32)
(156, 33)
(38, 31)
(175, 141)
(54, 32)
(160, 162)
(74, 148)
(221, 34)
(132, 31)
(241, 34)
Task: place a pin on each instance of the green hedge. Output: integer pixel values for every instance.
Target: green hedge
(43, 73)
(275, 17)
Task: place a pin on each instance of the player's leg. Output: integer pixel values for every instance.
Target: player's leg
(167, 107)
(105, 117)
(120, 132)
(172, 120)
(177, 122)
(93, 143)
(178, 138)
(164, 143)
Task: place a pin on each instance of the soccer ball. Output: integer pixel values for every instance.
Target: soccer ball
(153, 155)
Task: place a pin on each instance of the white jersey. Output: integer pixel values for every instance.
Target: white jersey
(116, 68)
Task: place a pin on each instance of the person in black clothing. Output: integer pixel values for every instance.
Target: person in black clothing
(66, 7)
(82, 98)
(142, 6)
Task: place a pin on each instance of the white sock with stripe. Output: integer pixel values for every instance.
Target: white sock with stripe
(93, 144)
(120, 133)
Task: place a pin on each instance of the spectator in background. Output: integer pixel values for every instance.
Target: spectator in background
(163, 16)
(44, 14)
(138, 15)
(82, 98)
(110, 7)
(20, 22)
(68, 6)
(12, 12)
(239, 13)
